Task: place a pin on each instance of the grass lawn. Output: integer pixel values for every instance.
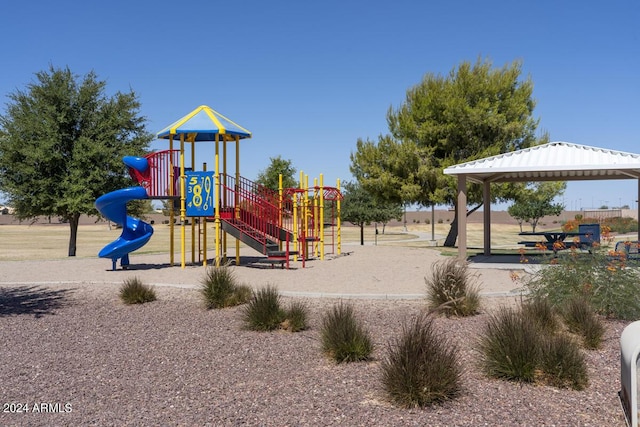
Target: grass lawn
(51, 241)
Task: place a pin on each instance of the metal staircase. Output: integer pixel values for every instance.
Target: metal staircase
(253, 214)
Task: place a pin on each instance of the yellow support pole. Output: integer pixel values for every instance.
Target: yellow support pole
(295, 226)
(216, 202)
(298, 218)
(193, 224)
(224, 174)
(314, 215)
(306, 214)
(339, 239)
(203, 224)
(237, 198)
(280, 191)
(321, 217)
(183, 209)
(172, 216)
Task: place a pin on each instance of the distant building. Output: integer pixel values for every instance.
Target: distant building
(6, 210)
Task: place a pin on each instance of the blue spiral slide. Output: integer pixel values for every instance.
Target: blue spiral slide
(113, 206)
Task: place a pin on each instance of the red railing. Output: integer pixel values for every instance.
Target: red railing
(256, 206)
(157, 178)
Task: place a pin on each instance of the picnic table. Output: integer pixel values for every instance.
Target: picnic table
(553, 240)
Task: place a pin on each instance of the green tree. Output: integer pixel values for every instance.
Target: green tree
(473, 112)
(360, 208)
(520, 212)
(536, 201)
(278, 166)
(61, 145)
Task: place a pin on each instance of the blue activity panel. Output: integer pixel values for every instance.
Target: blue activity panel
(199, 197)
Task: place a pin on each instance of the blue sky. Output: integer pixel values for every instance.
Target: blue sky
(310, 78)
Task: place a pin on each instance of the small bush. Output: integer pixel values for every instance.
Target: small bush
(540, 310)
(562, 364)
(510, 346)
(220, 289)
(449, 289)
(296, 317)
(264, 311)
(344, 339)
(581, 319)
(421, 367)
(133, 291)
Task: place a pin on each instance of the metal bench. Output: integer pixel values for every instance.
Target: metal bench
(629, 248)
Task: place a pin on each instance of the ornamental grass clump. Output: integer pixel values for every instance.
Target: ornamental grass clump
(421, 367)
(541, 311)
(510, 346)
(264, 310)
(562, 363)
(604, 279)
(219, 288)
(344, 338)
(133, 291)
(296, 317)
(582, 320)
(516, 346)
(451, 289)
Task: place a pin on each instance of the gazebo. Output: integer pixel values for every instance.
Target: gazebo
(554, 161)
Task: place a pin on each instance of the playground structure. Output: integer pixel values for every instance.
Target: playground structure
(291, 222)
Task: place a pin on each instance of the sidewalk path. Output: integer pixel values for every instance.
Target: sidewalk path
(391, 272)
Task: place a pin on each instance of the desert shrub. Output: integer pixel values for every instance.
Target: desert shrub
(619, 225)
(540, 310)
(421, 367)
(581, 319)
(622, 225)
(510, 345)
(562, 364)
(344, 338)
(450, 288)
(264, 311)
(133, 291)
(219, 288)
(296, 317)
(603, 279)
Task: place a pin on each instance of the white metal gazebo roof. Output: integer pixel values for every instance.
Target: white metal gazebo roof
(555, 161)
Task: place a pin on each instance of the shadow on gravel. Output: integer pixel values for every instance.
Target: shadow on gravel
(34, 300)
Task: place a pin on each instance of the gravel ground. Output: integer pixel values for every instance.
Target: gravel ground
(95, 361)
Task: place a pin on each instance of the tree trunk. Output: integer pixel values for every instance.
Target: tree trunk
(74, 219)
(361, 234)
(452, 236)
(450, 241)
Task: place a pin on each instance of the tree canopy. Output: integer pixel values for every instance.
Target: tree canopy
(269, 177)
(473, 112)
(360, 208)
(61, 145)
(536, 201)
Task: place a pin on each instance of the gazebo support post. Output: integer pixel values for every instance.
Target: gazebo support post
(486, 198)
(462, 216)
